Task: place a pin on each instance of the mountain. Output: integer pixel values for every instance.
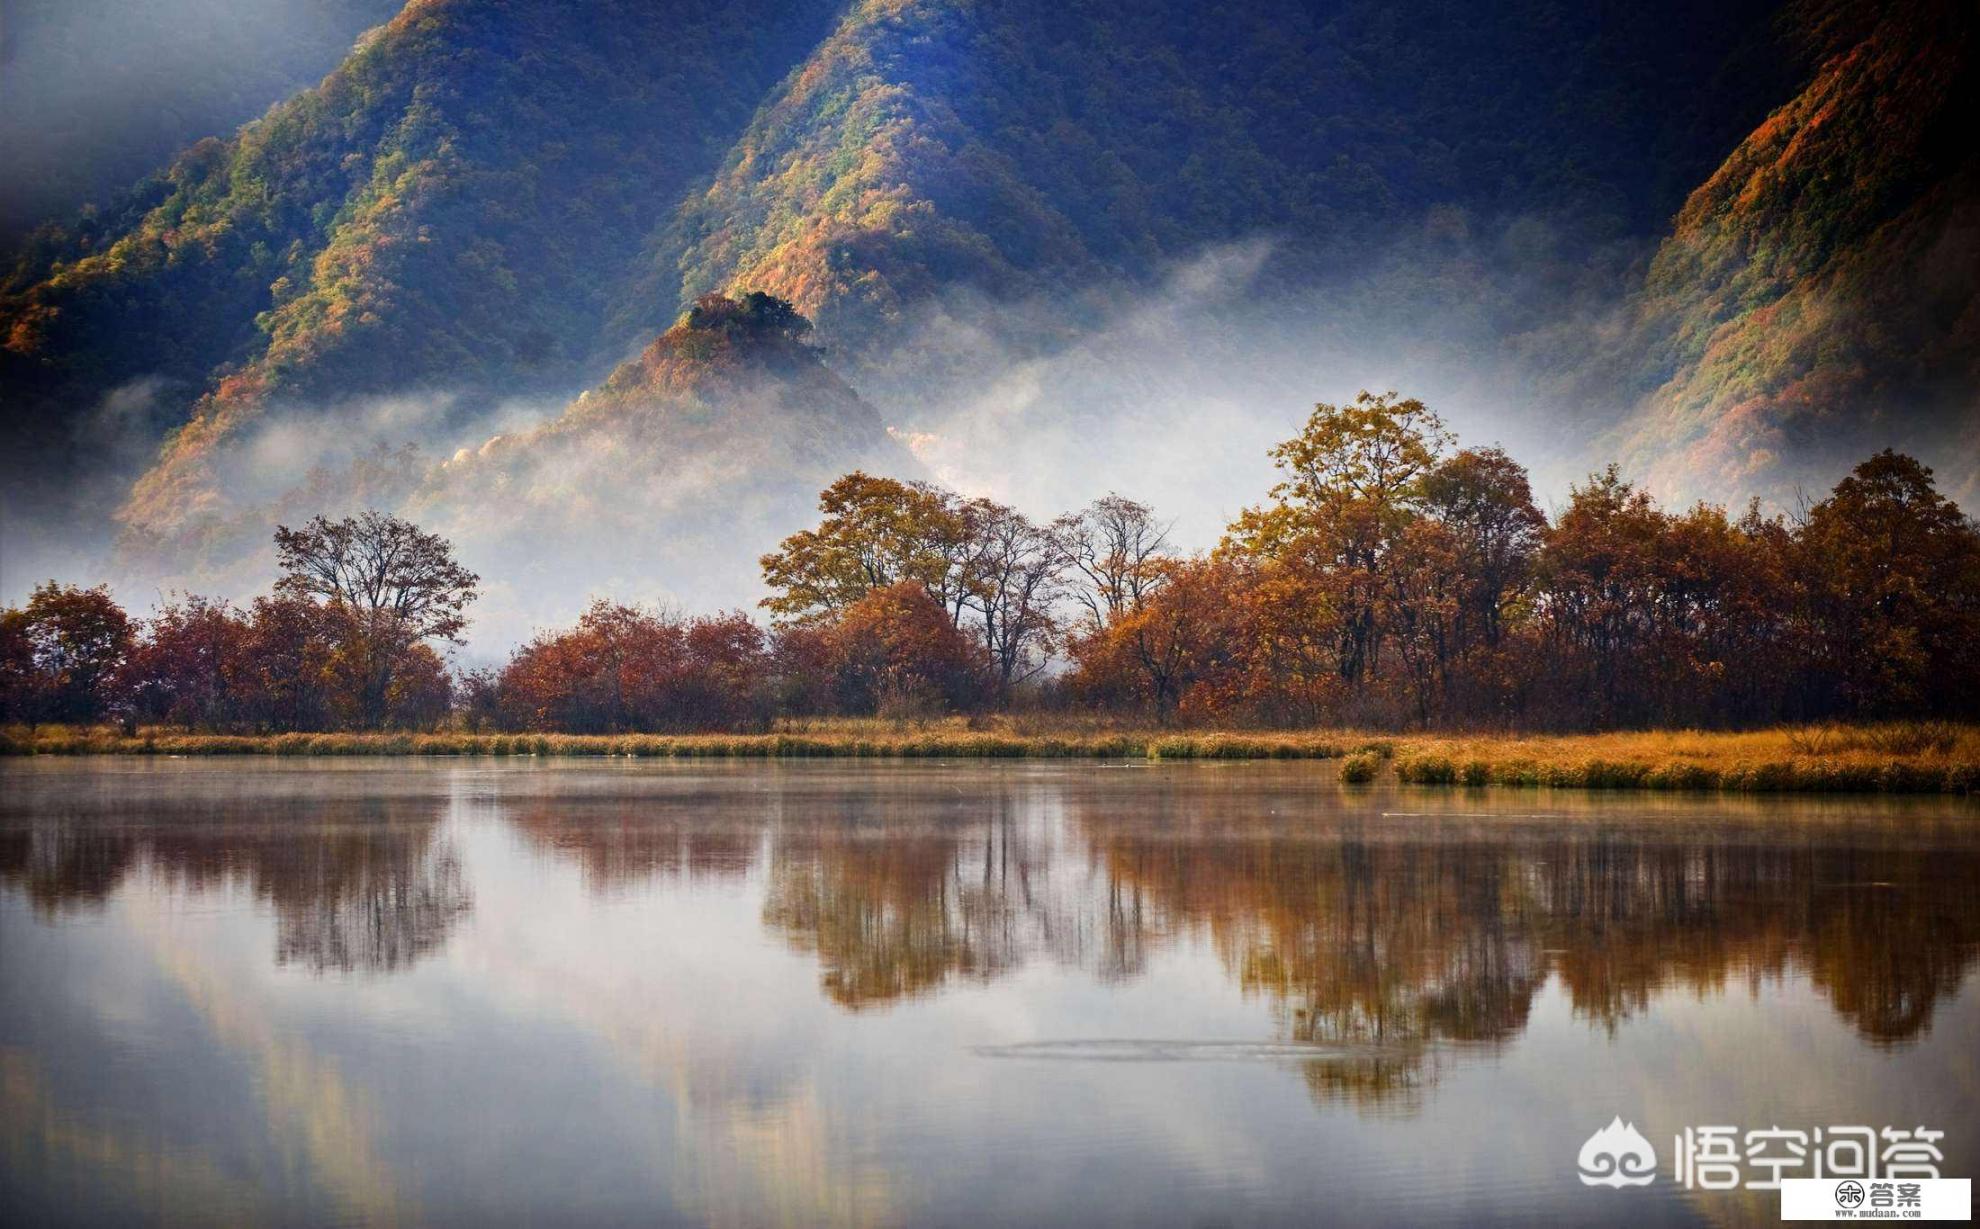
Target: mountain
(1819, 297)
(668, 479)
(930, 154)
(1104, 238)
(451, 207)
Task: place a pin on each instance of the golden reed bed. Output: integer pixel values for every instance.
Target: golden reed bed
(1906, 757)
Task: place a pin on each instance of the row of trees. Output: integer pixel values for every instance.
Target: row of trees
(345, 641)
(1390, 578)
(1393, 578)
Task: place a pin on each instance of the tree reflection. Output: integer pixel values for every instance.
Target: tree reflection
(894, 910)
(1378, 943)
(897, 885)
(1416, 937)
(353, 884)
(623, 842)
(900, 893)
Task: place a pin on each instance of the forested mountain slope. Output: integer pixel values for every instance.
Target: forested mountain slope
(451, 208)
(931, 150)
(1819, 297)
(492, 202)
(666, 479)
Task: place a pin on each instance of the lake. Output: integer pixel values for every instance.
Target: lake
(463, 992)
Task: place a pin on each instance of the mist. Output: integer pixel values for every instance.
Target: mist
(1171, 392)
(1177, 395)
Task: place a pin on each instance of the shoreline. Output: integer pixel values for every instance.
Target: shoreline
(1904, 758)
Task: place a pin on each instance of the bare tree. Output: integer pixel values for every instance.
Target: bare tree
(388, 583)
(1014, 572)
(1117, 547)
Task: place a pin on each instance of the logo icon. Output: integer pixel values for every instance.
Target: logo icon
(1849, 1194)
(1618, 1156)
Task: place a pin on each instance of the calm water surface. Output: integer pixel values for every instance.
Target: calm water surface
(821, 993)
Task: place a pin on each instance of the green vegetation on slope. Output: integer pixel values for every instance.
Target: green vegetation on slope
(95, 94)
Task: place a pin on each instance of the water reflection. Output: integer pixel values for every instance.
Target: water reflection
(1384, 931)
(624, 842)
(894, 907)
(1370, 929)
(765, 994)
(354, 884)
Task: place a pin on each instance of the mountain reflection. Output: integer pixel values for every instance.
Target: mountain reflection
(354, 884)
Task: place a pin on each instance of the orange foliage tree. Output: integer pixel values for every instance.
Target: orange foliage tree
(896, 652)
(625, 668)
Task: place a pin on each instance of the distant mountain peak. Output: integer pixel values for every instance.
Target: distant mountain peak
(717, 339)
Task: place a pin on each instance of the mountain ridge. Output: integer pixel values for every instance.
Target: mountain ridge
(492, 203)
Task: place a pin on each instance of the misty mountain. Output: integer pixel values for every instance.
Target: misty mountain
(932, 152)
(453, 207)
(1143, 236)
(667, 480)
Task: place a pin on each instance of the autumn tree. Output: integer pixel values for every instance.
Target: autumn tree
(1731, 633)
(1355, 477)
(876, 532)
(190, 665)
(1484, 499)
(1893, 571)
(61, 654)
(991, 570)
(1181, 651)
(1653, 616)
(1600, 572)
(897, 652)
(286, 663)
(1011, 581)
(18, 692)
(624, 668)
(386, 586)
(421, 693)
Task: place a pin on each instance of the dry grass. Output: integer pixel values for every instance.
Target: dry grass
(1904, 757)
(1901, 757)
(957, 739)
